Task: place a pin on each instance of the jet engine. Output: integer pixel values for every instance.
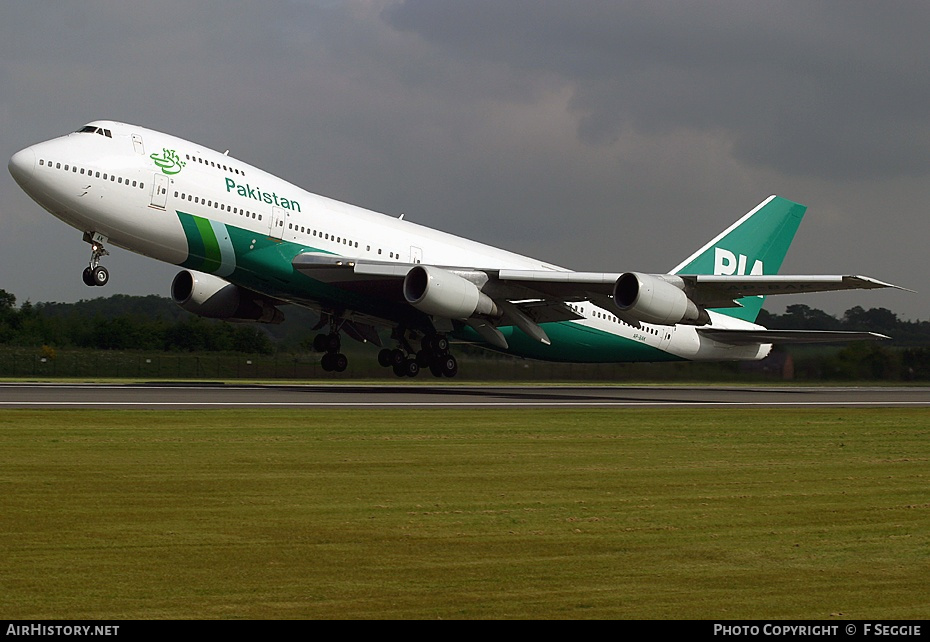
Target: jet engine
(213, 297)
(655, 300)
(441, 293)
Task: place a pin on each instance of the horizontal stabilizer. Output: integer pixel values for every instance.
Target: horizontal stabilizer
(748, 337)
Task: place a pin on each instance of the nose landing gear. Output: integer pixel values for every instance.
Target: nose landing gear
(94, 273)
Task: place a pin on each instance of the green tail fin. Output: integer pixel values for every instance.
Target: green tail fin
(755, 244)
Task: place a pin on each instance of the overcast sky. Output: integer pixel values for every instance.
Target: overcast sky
(603, 136)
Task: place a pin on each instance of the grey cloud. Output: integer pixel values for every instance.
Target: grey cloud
(803, 88)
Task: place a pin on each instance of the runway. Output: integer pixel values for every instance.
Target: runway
(206, 395)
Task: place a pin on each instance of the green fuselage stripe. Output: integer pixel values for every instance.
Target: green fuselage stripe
(263, 263)
(195, 247)
(211, 249)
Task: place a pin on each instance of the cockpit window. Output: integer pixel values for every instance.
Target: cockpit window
(90, 129)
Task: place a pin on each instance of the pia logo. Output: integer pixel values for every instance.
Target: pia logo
(169, 161)
(725, 262)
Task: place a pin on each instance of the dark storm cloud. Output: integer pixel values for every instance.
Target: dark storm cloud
(805, 88)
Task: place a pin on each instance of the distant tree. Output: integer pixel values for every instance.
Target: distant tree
(7, 301)
(873, 319)
(8, 317)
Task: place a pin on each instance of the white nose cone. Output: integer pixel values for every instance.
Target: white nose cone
(23, 165)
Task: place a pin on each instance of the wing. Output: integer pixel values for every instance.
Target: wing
(716, 291)
(750, 337)
(527, 298)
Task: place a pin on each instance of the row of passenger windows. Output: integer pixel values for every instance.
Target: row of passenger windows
(230, 168)
(74, 169)
(291, 226)
(223, 207)
(338, 239)
(609, 317)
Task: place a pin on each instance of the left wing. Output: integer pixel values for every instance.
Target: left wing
(610, 290)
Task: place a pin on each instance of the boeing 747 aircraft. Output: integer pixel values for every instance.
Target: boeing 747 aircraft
(250, 243)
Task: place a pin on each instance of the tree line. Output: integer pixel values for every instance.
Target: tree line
(122, 322)
(881, 320)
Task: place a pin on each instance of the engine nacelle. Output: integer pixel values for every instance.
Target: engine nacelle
(441, 293)
(212, 297)
(654, 300)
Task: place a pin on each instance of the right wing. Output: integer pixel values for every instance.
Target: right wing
(749, 337)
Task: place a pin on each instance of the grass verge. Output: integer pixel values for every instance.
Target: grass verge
(798, 513)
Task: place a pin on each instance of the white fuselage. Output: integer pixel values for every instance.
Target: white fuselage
(112, 179)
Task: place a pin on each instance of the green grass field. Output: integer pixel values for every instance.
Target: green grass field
(465, 514)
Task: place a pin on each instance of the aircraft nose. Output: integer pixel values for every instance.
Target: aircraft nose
(23, 165)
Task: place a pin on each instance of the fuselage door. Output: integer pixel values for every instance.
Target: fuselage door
(665, 338)
(137, 144)
(160, 191)
(278, 222)
(416, 255)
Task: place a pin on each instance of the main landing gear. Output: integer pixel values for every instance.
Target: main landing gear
(94, 273)
(333, 360)
(433, 354)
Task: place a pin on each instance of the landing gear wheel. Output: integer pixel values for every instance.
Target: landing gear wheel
(101, 276)
(384, 357)
(412, 368)
(327, 362)
(88, 277)
(398, 358)
(334, 362)
(319, 343)
(449, 366)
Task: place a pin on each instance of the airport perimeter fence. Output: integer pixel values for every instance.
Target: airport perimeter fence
(48, 363)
